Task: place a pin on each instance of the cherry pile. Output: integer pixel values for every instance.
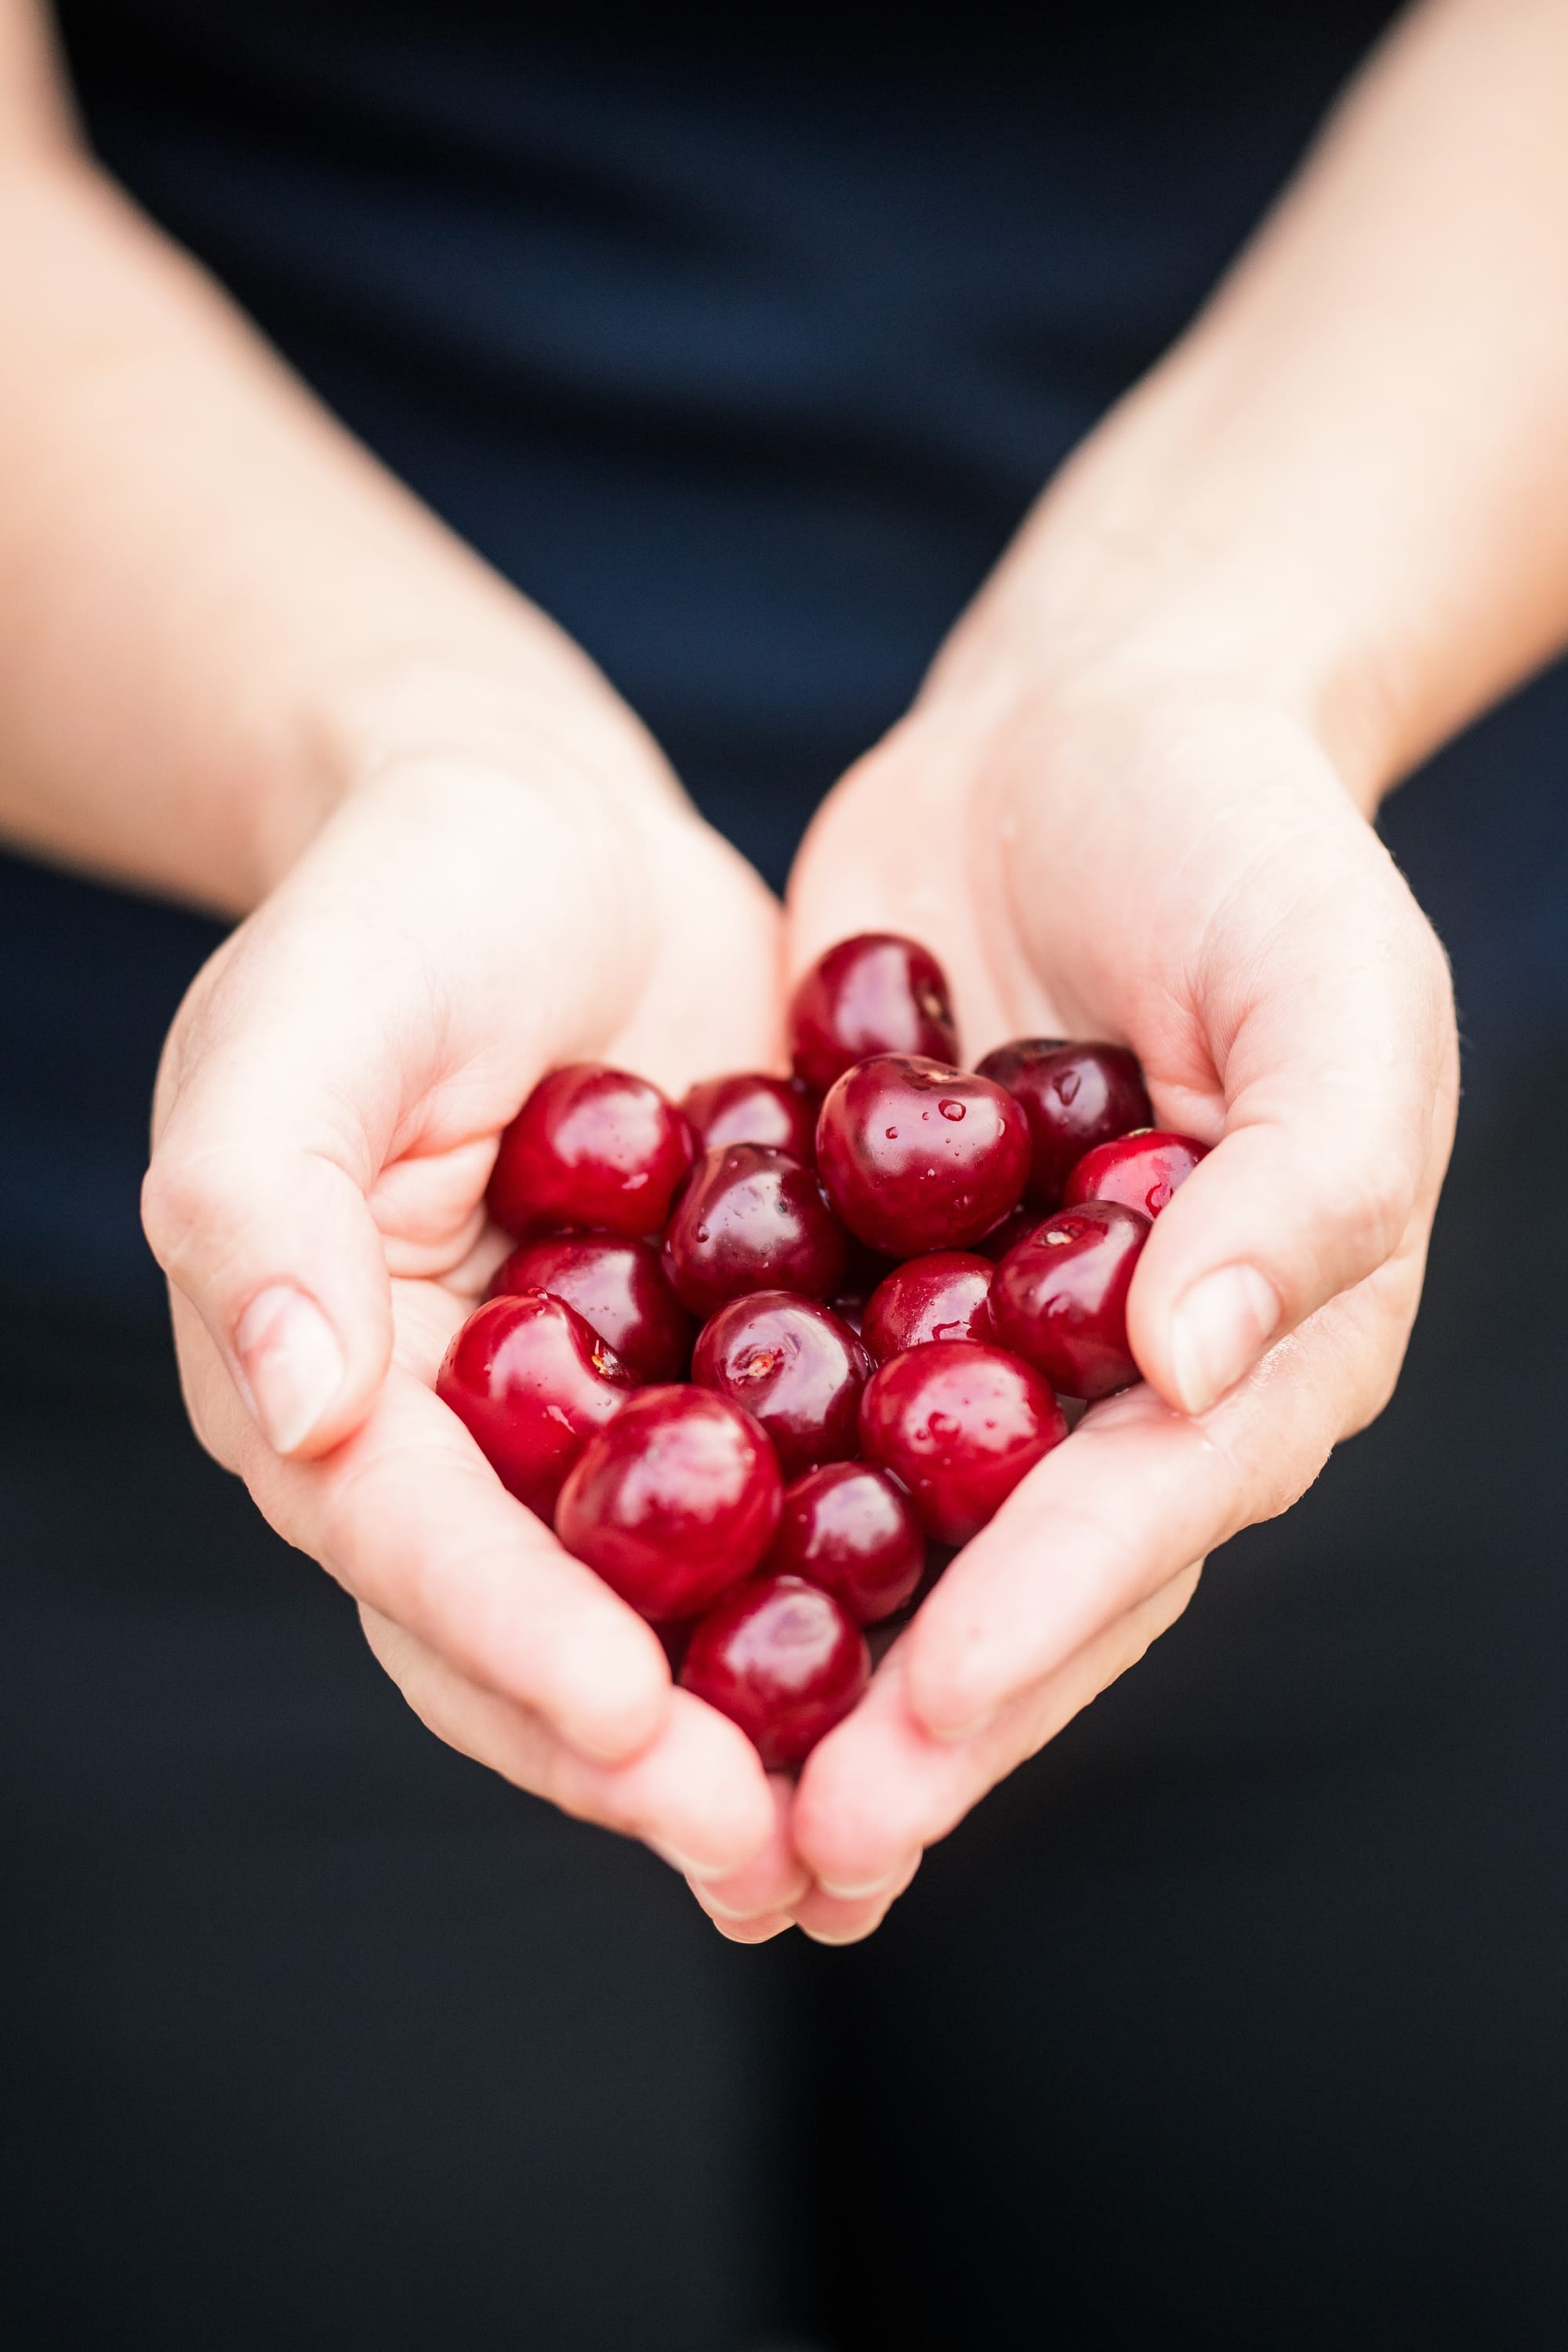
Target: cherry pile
(766, 1359)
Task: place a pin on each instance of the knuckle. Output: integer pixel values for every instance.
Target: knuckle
(179, 1196)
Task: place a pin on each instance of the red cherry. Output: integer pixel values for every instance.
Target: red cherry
(751, 1108)
(619, 1291)
(876, 993)
(852, 1530)
(917, 1156)
(784, 1660)
(591, 1147)
(531, 1383)
(752, 1220)
(942, 1296)
(959, 1425)
(675, 1501)
(1141, 1170)
(794, 1366)
(1074, 1096)
(1059, 1298)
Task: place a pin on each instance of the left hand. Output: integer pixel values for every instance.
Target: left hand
(1182, 869)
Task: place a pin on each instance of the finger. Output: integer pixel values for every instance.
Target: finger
(697, 1792)
(773, 1881)
(837, 1919)
(1330, 1008)
(880, 1788)
(754, 1931)
(410, 1518)
(1138, 1491)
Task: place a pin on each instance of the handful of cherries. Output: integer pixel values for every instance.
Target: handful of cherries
(766, 1359)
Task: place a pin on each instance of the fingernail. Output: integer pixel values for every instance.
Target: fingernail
(292, 1363)
(882, 1886)
(855, 1934)
(1219, 1331)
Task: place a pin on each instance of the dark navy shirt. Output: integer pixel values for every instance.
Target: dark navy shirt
(740, 341)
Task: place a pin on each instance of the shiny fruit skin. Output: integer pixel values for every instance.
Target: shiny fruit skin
(618, 1287)
(1141, 1170)
(959, 1425)
(749, 1107)
(1059, 1298)
(591, 1148)
(675, 1502)
(751, 1218)
(784, 1660)
(531, 1383)
(852, 1530)
(1074, 1096)
(793, 1365)
(876, 993)
(940, 1297)
(916, 1156)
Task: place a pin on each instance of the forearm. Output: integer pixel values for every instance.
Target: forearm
(217, 611)
(1348, 484)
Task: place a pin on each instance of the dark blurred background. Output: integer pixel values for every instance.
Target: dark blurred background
(1233, 2020)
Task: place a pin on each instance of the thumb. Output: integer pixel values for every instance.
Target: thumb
(1341, 1082)
(256, 1205)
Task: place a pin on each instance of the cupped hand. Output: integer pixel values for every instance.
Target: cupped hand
(1182, 870)
(327, 1114)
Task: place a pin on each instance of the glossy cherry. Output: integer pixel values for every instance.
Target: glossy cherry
(618, 1289)
(941, 1296)
(784, 1660)
(675, 1501)
(795, 1366)
(1074, 1096)
(876, 993)
(958, 1424)
(593, 1148)
(531, 1382)
(852, 1530)
(1059, 1298)
(1141, 1170)
(917, 1156)
(752, 1220)
(751, 1108)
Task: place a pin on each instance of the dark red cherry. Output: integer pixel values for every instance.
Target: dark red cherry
(1074, 1098)
(674, 1506)
(1141, 1170)
(942, 1296)
(784, 1660)
(750, 1107)
(958, 1424)
(876, 993)
(752, 1220)
(852, 1530)
(619, 1291)
(591, 1147)
(796, 1367)
(531, 1383)
(1059, 1298)
(917, 1156)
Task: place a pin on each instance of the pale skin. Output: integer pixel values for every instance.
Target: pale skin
(240, 666)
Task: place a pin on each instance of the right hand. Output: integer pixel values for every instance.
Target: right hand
(327, 1113)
